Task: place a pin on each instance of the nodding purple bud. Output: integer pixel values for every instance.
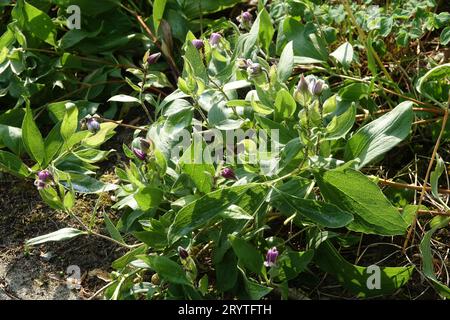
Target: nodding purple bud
(141, 155)
(241, 63)
(145, 144)
(214, 39)
(40, 184)
(44, 175)
(246, 16)
(228, 173)
(254, 69)
(153, 58)
(302, 86)
(184, 254)
(317, 87)
(198, 43)
(271, 257)
(92, 125)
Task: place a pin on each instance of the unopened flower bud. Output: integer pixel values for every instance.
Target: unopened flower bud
(184, 254)
(145, 144)
(40, 184)
(302, 86)
(92, 125)
(246, 16)
(198, 43)
(271, 257)
(139, 154)
(155, 279)
(228, 173)
(44, 175)
(254, 69)
(316, 87)
(214, 39)
(153, 58)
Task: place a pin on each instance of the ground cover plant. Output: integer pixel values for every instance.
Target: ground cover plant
(235, 149)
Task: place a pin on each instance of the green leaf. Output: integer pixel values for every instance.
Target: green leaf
(380, 135)
(85, 184)
(248, 257)
(265, 31)
(434, 83)
(124, 98)
(353, 192)
(70, 121)
(166, 269)
(227, 271)
(53, 143)
(32, 138)
(434, 179)
(324, 214)
(13, 164)
(201, 211)
(39, 24)
(148, 198)
(356, 278)
(112, 230)
(285, 105)
(124, 260)
(201, 171)
(427, 259)
(158, 11)
(343, 54)
(355, 91)
(445, 36)
(286, 63)
(60, 235)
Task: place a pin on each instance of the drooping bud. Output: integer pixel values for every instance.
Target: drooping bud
(184, 254)
(228, 173)
(254, 70)
(92, 125)
(271, 257)
(198, 43)
(302, 86)
(145, 144)
(241, 63)
(44, 175)
(40, 184)
(139, 154)
(214, 39)
(153, 58)
(247, 16)
(317, 87)
(245, 20)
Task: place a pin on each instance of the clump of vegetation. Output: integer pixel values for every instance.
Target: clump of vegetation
(276, 142)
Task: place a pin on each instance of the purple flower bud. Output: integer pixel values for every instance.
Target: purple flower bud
(92, 125)
(153, 58)
(228, 173)
(246, 16)
(316, 87)
(198, 43)
(184, 254)
(145, 144)
(271, 257)
(214, 39)
(40, 184)
(302, 86)
(254, 69)
(44, 175)
(139, 154)
(241, 63)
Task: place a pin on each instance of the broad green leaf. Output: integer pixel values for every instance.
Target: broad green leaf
(60, 235)
(166, 269)
(211, 205)
(353, 192)
(434, 84)
(427, 259)
(285, 105)
(124, 260)
(158, 11)
(85, 184)
(265, 31)
(148, 198)
(70, 121)
(286, 63)
(248, 257)
(355, 91)
(200, 170)
(321, 213)
(445, 36)
(32, 138)
(11, 137)
(13, 164)
(357, 278)
(343, 54)
(380, 135)
(39, 24)
(227, 271)
(53, 143)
